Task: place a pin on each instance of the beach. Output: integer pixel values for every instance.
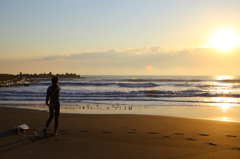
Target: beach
(117, 136)
(130, 79)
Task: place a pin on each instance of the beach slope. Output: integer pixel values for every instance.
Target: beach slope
(117, 136)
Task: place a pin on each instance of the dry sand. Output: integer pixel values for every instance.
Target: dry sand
(118, 136)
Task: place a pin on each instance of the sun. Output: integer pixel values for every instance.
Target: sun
(149, 68)
(224, 39)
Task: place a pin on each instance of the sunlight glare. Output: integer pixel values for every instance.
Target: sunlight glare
(224, 119)
(224, 103)
(224, 77)
(224, 39)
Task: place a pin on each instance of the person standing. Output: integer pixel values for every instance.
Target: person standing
(52, 101)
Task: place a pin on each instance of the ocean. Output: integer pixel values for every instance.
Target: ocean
(152, 91)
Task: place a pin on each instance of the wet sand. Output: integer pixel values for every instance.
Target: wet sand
(117, 136)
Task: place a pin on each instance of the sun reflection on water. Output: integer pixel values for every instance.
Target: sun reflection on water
(224, 77)
(225, 119)
(225, 89)
(223, 85)
(224, 103)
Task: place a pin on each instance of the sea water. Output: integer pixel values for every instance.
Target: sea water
(157, 92)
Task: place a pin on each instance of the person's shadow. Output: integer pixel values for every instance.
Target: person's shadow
(7, 133)
(8, 146)
(18, 143)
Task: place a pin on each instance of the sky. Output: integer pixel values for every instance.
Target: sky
(120, 37)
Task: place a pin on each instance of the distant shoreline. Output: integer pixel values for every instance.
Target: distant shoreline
(49, 75)
(207, 113)
(10, 80)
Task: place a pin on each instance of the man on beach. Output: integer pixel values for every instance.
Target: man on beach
(52, 101)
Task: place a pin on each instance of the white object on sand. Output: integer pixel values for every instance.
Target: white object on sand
(25, 127)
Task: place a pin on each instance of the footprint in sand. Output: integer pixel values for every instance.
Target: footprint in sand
(231, 136)
(35, 139)
(84, 131)
(106, 132)
(212, 144)
(179, 133)
(190, 139)
(62, 132)
(203, 134)
(166, 136)
(153, 133)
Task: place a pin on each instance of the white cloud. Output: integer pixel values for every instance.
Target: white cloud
(190, 61)
(108, 54)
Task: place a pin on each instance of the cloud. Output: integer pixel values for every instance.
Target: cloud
(190, 61)
(107, 54)
(54, 57)
(156, 56)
